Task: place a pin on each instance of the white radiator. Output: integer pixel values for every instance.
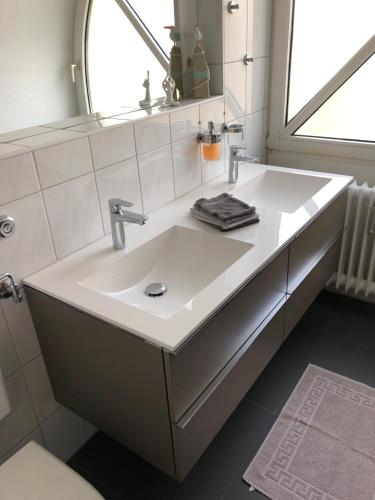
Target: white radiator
(356, 271)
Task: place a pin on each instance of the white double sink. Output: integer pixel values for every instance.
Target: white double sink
(200, 267)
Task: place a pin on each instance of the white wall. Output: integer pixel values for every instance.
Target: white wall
(36, 50)
(42, 188)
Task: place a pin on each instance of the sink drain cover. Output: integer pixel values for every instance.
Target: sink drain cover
(155, 289)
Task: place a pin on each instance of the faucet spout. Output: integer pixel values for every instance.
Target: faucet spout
(234, 158)
(119, 216)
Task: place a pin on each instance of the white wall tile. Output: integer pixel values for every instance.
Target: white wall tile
(260, 28)
(74, 214)
(184, 123)
(256, 85)
(156, 176)
(62, 162)
(250, 27)
(235, 90)
(50, 137)
(269, 27)
(152, 133)
(35, 435)
(10, 149)
(112, 146)
(254, 133)
(22, 133)
(30, 248)
(22, 329)
(267, 76)
(234, 139)
(119, 181)
(17, 178)
(64, 433)
(211, 169)
(72, 122)
(40, 389)
(265, 131)
(186, 165)
(235, 32)
(8, 357)
(212, 111)
(21, 420)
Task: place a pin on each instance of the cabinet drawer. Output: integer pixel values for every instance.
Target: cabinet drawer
(304, 295)
(307, 248)
(194, 432)
(190, 370)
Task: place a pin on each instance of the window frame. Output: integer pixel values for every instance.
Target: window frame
(80, 47)
(281, 136)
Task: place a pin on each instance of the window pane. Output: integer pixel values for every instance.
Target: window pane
(350, 112)
(326, 34)
(156, 15)
(118, 59)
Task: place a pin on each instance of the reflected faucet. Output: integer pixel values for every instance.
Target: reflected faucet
(235, 158)
(119, 216)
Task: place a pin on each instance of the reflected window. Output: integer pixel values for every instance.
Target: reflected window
(124, 40)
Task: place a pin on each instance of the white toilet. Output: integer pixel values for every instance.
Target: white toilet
(33, 473)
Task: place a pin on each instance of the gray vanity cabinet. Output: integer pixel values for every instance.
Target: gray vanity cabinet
(203, 356)
(203, 420)
(168, 406)
(109, 377)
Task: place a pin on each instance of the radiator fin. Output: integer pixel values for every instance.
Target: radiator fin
(356, 270)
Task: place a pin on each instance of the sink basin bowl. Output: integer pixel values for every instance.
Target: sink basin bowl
(281, 191)
(184, 260)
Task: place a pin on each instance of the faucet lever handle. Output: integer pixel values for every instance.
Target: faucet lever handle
(115, 204)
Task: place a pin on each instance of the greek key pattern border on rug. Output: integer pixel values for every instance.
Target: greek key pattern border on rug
(277, 469)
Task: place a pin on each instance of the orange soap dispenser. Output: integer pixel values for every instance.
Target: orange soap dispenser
(211, 143)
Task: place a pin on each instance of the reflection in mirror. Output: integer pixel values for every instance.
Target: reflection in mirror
(42, 39)
(124, 41)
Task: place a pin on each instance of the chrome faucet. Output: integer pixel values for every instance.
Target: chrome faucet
(235, 158)
(119, 216)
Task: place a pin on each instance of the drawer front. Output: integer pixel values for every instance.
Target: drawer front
(196, 430)
(304, 295)
(191, 369)
(307, 248)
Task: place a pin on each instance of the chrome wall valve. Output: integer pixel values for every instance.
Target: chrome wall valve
(9, 288)
(7, 226)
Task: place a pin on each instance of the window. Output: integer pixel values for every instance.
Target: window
(323, 77)
(124, 39)
(349, 114)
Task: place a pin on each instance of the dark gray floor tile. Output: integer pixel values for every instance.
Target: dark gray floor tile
(218, 465)
(103, 488)
(238, 489)
(357, 324)
(277, 381)
(108, 461)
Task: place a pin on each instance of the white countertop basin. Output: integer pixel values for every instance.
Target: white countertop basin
(184, 260)
(281, 191)
(201, 266)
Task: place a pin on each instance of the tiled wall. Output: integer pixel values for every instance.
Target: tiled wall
(248, 32)
(58, 196)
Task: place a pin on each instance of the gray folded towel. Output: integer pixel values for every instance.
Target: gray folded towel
(225, 226)
(224, 207)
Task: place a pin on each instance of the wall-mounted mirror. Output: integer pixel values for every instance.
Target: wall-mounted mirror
(63, 58)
